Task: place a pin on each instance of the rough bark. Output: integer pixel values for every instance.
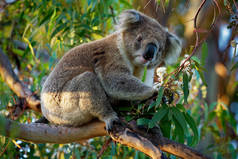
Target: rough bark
(148, 142)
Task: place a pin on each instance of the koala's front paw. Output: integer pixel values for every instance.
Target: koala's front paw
(110, 122)
(156, 86)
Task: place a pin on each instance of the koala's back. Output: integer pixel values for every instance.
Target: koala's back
(76, 61)
(60, 93)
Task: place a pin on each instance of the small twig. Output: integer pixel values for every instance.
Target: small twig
(147, 4)
(113, 15)
(235, 5)
(189, 57)
(104, 147)
(197, 43)
(219, 9)
(5, 149)
(196, 16)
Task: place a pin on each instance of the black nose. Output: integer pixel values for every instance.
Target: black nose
(150, 51)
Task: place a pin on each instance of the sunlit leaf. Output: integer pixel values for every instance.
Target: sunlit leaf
(144, 75)
(196, 60)
(58, 29)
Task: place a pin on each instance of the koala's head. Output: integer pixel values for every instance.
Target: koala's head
(145, 41)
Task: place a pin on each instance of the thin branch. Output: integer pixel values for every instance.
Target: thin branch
(197, 36)
(197, 43)
(104, 147)
(217, 5)
(235, 4)
(5, 148)
(196, 16)
(113, 15)
(189, 57)
(147, 4)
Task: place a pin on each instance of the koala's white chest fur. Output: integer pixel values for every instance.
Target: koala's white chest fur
(137, 72)
(149, 80)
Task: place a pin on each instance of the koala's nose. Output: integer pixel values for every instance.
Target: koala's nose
(150, 51)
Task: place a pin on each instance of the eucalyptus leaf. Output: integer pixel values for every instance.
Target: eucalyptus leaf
(235, 66)
(180, 118)
(165, 127)
(181, 107)
(185, 87)
(142, 121)
(152, 105)
(158, 116)
(178, 131)
(201, 74)
(196, 60)
(193, 126)
(160, 95)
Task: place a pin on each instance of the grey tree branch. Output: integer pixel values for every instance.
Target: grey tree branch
(142, 141)
(15, 84)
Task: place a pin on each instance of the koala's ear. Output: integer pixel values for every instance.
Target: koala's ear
(128, 17)
(173, 49)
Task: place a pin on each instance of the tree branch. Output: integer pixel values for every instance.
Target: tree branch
(129, 138)
(149, 143)
(15, 84)
(180, 150)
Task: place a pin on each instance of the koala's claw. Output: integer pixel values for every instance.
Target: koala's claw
(110, 125)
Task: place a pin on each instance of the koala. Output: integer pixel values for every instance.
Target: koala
(89, 77)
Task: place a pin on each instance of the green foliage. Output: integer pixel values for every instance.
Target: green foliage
(47, 29)
(166, 116)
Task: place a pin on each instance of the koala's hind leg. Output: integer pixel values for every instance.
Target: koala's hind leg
(89, 99)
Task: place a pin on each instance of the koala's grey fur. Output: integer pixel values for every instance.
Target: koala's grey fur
(79, 87)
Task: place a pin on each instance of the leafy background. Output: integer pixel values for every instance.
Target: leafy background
(35, 34)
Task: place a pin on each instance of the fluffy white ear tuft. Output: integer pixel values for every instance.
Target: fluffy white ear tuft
(173, 47)
(128, 17)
